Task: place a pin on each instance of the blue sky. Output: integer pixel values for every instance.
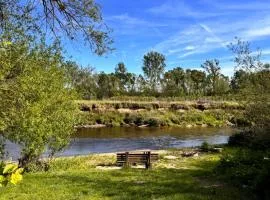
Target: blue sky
(187, 32)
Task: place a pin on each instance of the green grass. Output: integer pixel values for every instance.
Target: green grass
(78, 178)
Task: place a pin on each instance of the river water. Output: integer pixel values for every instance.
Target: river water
(105, 140)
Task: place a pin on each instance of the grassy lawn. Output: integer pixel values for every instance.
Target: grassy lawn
(78, 178)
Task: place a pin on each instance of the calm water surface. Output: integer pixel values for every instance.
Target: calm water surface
(105, 140)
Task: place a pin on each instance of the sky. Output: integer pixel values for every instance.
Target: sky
(187, 32)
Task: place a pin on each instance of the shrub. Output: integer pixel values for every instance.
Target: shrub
(241, 139)
(155, 122)
(254, 140)
(205, 147)
(10, 173)
(247, 168)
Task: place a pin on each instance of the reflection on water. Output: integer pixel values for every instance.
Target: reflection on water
(105, 140)
(127, 139)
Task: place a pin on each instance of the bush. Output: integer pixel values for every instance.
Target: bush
(254, 140)
(205, 147)
(154, 122)
(247, 168)
(241, 139)
(10, 173)
(240, 121)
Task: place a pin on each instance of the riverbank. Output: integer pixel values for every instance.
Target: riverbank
(108, 113)
(172, 177)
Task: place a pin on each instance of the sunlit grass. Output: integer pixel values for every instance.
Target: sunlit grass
(78, 178)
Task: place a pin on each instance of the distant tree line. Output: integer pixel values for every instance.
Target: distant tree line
(155, 81)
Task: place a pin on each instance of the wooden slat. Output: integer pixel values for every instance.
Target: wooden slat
(142, 155)
(131, 158)
(137, 159)
(136, 154)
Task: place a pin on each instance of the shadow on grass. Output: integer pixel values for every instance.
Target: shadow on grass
(125, 184)
(155, 184)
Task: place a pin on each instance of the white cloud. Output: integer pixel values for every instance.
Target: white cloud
(238, 6)
(228, 70)
(264, 31)
(209, 35)
(189, 53)
(190, 41)
(128, 20)
(188, 48)
(179, 8)
(265, 51)
(129, 25)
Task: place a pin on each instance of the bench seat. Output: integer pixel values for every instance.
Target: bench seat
(128, 159)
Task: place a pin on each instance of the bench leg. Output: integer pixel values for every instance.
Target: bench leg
(127, 160)
(148, 165)
(126, 165)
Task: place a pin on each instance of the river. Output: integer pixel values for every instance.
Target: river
(106, 140)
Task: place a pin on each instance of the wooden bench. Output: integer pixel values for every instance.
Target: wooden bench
(126, 159)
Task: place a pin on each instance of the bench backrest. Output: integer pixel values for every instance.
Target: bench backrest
(136, 157)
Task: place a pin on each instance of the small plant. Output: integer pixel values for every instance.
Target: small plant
(205, 146)
(10, 173)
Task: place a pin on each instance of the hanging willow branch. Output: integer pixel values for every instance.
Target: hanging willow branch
(77, 19)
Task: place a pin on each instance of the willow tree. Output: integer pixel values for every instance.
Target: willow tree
(37, 106)
(37, 110)
(77, 20)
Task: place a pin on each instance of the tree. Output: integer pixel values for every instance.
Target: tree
(153, 68)
(266, 66)
(199, 80)
(131, 81)
(213, 69)
(258, 89)
(222, 85)
(37, 107)
(240, 81)
(250, 63)
(245, 59)
(174, 82)
(121, 74)
(141, 85)
(75, 19)
(82, 79)
(108, 85)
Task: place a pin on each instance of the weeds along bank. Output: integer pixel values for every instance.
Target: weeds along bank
(161, 113)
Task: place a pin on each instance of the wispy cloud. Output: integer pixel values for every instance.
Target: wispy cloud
(129, 25)
(265, 52)
(209, 35)
(134, 21)
(264, 31)
(195, 39)
(180, 8)
(261, 5)
(189, 48)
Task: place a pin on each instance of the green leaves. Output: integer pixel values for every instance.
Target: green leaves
(16, 177)
(153, 68)
(10, 168)
(37, 106)
(10, 173)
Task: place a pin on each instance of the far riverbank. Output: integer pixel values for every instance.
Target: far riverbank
(185, 114)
